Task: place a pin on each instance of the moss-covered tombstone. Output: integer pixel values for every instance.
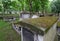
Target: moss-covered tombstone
(43, 27)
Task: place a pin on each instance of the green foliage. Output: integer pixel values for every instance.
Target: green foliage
(0, 8)
(35, 5)
(56, 6)
(27, 5)
(6, 4)
(9, 5)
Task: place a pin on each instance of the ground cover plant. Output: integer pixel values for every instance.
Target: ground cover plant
(7, 33)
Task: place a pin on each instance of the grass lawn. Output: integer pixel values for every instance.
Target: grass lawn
(7, 33)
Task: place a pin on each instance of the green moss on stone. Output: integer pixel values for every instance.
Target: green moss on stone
(58, 24)
(44, 22)
(38, 23)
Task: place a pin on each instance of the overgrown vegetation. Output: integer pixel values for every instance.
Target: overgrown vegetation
(7, 33)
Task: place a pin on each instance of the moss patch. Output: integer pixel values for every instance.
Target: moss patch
(42, 22)
(58, 24)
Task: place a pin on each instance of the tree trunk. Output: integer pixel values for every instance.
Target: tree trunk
(30, 3)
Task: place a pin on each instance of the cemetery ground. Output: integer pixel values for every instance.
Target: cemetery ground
(7, 33)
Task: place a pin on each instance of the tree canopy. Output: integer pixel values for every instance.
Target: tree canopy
(56, 6)
(27, 5)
